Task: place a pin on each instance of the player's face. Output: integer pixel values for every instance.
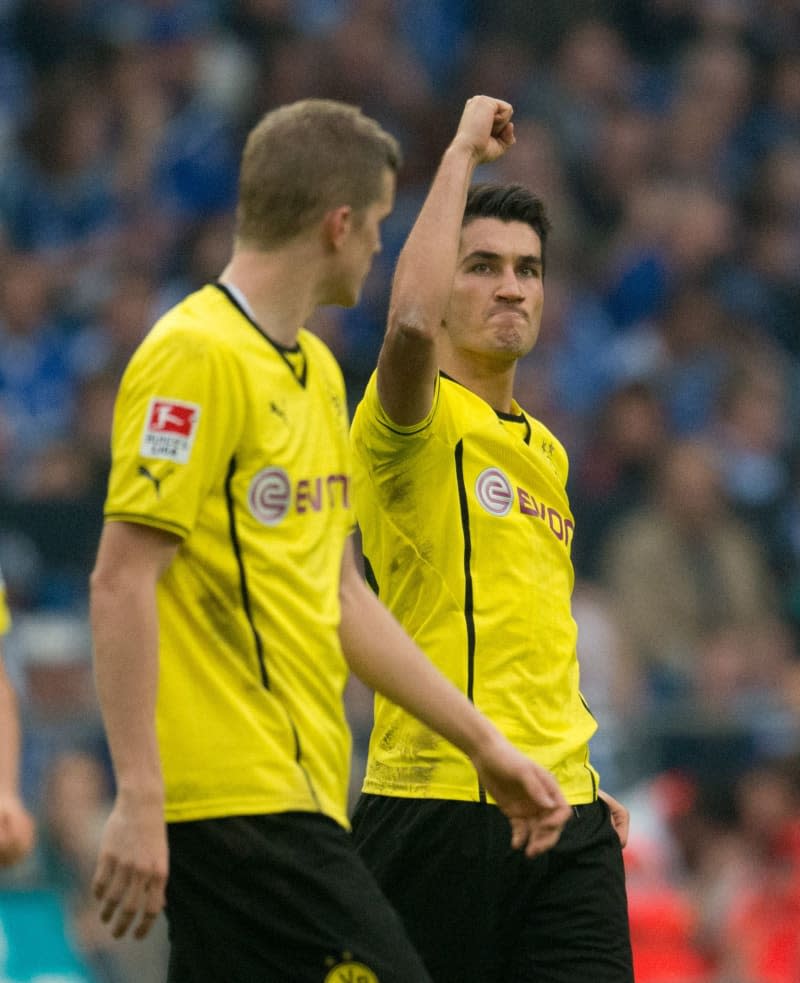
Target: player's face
(364, 241)
(495, 306)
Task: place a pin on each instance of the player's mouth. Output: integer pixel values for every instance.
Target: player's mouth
(516, 312)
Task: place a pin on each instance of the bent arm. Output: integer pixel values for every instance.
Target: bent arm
(132, 866)
(423, 279)
(384, 657)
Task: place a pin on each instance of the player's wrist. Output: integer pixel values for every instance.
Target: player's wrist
(141, 793)
(484, 740)
(462, 148)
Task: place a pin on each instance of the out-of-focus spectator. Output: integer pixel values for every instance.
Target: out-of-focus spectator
(694, 360)
(752, 439)
(617, 468)
(683, 566)
(713, 95)
(670, 231)
(623, 155)
(665, 916)
(123, 318)
(789, 569)
(36, 379)
(591, 74)
(611, 682)
(57, 197)
(760, 942)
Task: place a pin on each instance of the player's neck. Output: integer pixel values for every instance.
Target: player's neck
(278, 293)
(492, 382)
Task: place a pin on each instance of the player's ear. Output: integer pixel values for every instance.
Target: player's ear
(336, 226)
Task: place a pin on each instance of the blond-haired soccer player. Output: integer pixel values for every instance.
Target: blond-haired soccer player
(17, 830)
(227, 608)
(461, 499)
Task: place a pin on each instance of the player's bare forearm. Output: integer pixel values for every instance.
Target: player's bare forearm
(423, 278)
(380, 652)
(132, 864)
(125, 641)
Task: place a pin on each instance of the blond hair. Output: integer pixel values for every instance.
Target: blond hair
(303, 159)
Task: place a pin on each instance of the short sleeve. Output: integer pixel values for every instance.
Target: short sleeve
(177, 422)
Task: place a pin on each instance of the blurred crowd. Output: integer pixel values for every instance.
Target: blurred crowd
(664, 136)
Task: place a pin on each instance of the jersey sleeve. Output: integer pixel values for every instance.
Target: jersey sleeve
(374, 432)
(177, 421)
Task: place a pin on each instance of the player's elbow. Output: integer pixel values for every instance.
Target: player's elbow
(411, 330)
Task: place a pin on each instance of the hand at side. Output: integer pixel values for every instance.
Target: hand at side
(527, 793)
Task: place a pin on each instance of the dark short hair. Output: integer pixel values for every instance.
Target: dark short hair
(509, 203)
(305, 158)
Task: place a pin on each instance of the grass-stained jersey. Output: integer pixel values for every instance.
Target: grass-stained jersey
(250, 716)
(467, 533)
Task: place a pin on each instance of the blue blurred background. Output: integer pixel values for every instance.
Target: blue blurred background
(664, 136)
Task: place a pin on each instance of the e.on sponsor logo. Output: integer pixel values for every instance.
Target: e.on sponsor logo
(271, 494)
(495, 493)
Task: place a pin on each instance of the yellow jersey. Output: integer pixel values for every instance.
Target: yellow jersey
(240, 448)
(466, 532)
(5, 617)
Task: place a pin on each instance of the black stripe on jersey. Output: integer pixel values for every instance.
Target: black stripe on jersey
(282, 350)
(298, 757)
(259, 645)
(369, 576)
(469, 612)
(242, 573)
(404, 433)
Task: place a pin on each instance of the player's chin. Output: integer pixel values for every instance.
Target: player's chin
(511, 344)
(346, 296)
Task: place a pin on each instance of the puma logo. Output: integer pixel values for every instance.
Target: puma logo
(143, 471)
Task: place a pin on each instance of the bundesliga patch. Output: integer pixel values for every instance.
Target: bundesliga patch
(169, 430)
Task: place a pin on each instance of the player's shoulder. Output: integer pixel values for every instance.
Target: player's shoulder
(198, 326)
(203, 314)
(543, 438)
(460, 406)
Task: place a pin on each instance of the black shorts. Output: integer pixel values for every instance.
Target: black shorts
(480, 912)
(280, 898)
